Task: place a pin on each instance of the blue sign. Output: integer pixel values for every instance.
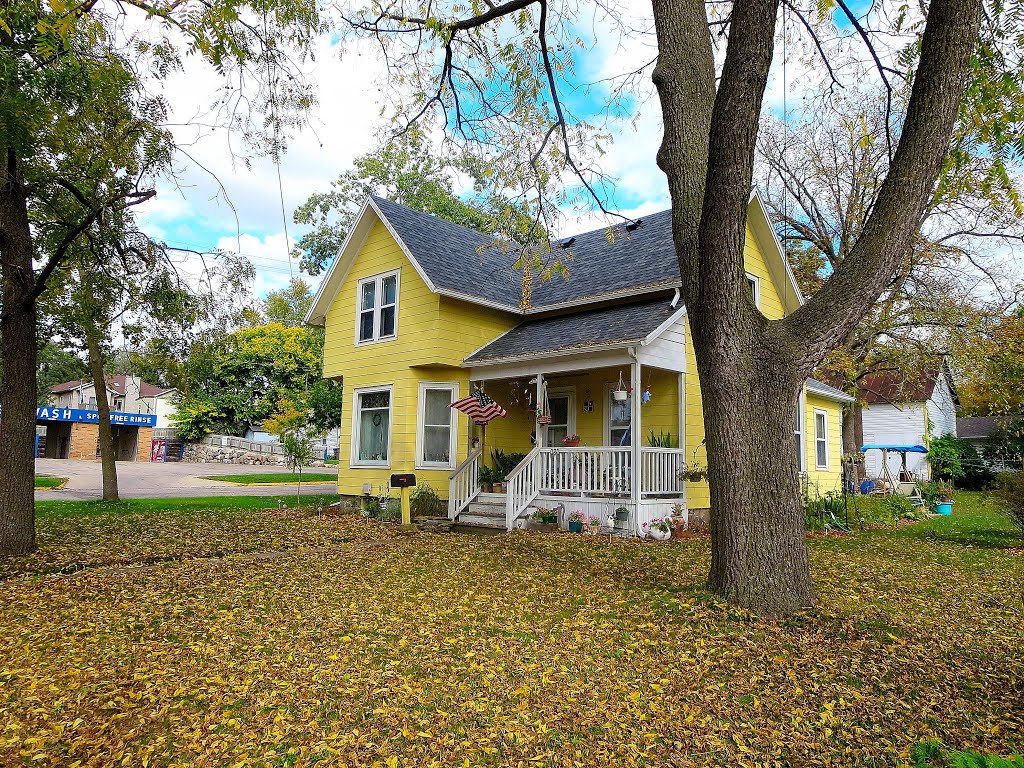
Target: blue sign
(51, 413)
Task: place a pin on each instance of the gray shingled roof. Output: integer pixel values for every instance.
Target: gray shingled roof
(621, 324)
(981, 427)
(597, 265)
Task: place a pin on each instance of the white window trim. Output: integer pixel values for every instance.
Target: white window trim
(608, 389)
(421, 411)
(755, 281)
(801, 413)
(354, 460)
(824, 437)
(570, 428)
(378, 292)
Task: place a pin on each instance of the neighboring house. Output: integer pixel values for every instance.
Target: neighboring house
(125, 394)
(901, 409)
(978, 430)
(419, 312)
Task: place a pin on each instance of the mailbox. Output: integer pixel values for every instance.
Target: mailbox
(403, 481)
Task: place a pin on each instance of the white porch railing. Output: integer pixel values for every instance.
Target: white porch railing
(601, 471)
(464, 484)
(660, 468)
(521, 487)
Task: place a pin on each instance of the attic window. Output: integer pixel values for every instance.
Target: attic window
(565, 242)
(377, 313)
(633, 226)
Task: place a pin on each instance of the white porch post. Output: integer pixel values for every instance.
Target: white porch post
(682, 426)
(540, 430)
(636, 433)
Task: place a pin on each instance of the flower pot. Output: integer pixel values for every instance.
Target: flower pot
(678, 528)
(944, 507)
(571, 443)
(487, 487)
(498, 488)
(549, 519)
(576, 526)
(620, 394)
(659, 535)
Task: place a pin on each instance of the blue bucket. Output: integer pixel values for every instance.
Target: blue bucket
(944, 507)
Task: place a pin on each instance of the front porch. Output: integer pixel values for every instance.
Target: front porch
(630, 477)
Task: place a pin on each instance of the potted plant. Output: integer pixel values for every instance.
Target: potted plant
(678, 521)
(621, 515)
(592, 525)
(486, 476)
(945, 503)
(571, 441)
(575, 520)
(545, 515)
(660, 528)
(620, 393)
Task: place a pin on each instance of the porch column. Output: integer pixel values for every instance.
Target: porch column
(539, 428)
(636, 433)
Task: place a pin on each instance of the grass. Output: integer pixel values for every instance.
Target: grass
(521, 649)
(275, 478)
(49, 482)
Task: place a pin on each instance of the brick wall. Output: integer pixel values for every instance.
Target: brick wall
(145, 444)
(83, 441)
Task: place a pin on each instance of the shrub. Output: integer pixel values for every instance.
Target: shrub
(930, 493)
(954, 459)
(391, 511)
(900, 508)
(371, 507)
(1009, 492)
(820, 511)
(424, 501)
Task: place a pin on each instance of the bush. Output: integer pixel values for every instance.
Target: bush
(391, 511)
(424, 502)
(900, 508)
(822, 511)
(958, 460)
(371, 507)
(1009, 492)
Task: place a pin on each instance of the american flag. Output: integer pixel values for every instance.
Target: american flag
(479, 407)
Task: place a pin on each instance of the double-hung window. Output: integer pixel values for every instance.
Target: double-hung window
(820, 439)
(378, 308)
(436, 425)
(371, 427)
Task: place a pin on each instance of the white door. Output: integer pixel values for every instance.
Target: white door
(563, 418)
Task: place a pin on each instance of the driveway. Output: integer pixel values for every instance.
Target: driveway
(143, 480)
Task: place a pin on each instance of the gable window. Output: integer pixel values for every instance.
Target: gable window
(754, 284)
(378, 308)
(371, 427)
(820, 439)
(798, 432)
(436, 425)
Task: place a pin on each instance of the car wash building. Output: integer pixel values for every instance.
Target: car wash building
(71, 433)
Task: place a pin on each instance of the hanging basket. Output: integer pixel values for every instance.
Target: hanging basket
(620, 393)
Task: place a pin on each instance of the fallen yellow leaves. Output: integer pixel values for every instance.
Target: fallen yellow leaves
(519, 650)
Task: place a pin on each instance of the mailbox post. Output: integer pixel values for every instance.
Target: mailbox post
(404, 482)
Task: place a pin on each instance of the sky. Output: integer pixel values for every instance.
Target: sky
(217, 201)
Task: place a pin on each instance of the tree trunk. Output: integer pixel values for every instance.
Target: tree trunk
(108, 458)
(18, 353)
(853, 438)
(758, 543)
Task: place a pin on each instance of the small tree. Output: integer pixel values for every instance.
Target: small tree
(291, 425)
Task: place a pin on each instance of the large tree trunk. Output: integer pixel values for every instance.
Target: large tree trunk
(18, 353)
(853, 438)
(108, 459)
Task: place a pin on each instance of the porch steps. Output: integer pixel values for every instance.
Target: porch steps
(486, 511)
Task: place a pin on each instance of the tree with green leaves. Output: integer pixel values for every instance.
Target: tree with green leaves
(241, 379)
(991, 364)
(289, 305)
(409, 171)
(292, 426)
(55, 366)
(66, 68)
(493, 74)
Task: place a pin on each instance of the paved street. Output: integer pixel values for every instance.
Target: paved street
(155, 481)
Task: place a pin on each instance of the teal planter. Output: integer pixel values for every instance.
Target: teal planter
(575, 527)
(944, 507)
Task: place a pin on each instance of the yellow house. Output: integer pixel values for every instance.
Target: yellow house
(597, 374)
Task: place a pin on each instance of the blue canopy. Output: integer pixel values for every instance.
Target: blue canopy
(898, 448)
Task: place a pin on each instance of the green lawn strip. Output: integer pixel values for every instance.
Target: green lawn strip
(276, 478)
(49, 482)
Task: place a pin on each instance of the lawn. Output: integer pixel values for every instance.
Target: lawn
(279, 477)
(523, 649)
(49, 481)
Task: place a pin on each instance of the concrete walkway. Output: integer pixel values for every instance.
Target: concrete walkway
(144, 480)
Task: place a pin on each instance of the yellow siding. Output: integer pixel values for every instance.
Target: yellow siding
(830, 479)
(433, 337)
